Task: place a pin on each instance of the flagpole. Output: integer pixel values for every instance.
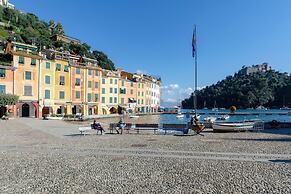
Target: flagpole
(195, 69)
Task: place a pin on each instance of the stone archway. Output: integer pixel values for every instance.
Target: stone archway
(104, 111)
(113, 110)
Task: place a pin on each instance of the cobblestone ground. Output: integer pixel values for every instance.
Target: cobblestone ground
(50, 157)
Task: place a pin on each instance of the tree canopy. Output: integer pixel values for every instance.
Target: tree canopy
(27, 28)
(271, 89)
(8, 99)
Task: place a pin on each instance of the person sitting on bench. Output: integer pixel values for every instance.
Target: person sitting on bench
(97, 127)
(120, 125)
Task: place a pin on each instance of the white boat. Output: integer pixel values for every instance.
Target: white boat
(179, 115)
(215, 109)
(261, 108)
(285, 108)
(223, 117)
(209, 119)
(133, 116)
(232, 127)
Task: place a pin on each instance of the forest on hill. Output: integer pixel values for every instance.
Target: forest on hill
(270, 89)
(28, 28)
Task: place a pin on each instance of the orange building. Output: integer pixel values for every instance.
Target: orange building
(6, 79)
(26, 61)
(127, 92)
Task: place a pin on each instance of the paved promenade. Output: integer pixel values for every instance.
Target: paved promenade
(51, 157)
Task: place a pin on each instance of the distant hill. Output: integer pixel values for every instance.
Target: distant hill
(249, 88)
(27, 28)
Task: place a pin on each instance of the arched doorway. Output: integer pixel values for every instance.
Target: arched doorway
(104, 111)
(25, 110)
(3, 110)
(113, 110)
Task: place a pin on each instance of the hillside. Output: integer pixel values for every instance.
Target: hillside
(28, 28)
(270, 89)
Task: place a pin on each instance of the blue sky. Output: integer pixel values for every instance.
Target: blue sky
(154, 36)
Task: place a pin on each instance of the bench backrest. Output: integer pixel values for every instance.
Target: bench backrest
(174, 126)
(147, 125)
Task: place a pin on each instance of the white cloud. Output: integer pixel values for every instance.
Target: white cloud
(173, 94)
(141, 71)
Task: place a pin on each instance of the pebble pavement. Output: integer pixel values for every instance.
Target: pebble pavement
(33, 160)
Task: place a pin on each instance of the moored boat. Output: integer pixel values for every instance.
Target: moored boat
(223, 117)
(232, 127)
(133, 116)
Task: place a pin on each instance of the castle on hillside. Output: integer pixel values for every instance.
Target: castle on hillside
(5, 3)
(255, 69)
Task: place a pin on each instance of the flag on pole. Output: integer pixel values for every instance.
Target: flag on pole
(194, 43)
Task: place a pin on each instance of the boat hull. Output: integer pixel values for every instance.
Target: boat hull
(232, 127)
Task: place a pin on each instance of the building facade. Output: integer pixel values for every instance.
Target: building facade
(53, 83)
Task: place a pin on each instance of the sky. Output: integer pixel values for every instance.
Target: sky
(154, 36)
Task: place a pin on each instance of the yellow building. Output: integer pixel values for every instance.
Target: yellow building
(109, 91)
(62, 90)
(47, 84)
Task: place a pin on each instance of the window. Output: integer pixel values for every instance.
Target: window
(111, 90)
(47, 65)
(89, 72)
(111, 81)
(2, 73)
(115, 81)
(78, 71)
(2, 89)
(62, 95)
(131, 84)
(131, 91)
(27, 90)
(115, 90)
(138, 101)
(62, 80)
(138, 93)
(103, 90)
(89, 97)
(142, 101)
(103, 99)
(122, 83)
(78, 94)
(33, 62)
(77, 82)
(110, 100)
(122, 100)
(47, 94)
(66, 68)
(47, 79)
(115, 99)
(142, 94)
(96, 97)
(21, 60)
(96, 73)
(89, 84)
(58, 67)
(96, 84)
(124, 90)
(27, 75)
(103, 81)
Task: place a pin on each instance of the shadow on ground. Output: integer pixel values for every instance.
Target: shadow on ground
(281, 161)
(261, 139)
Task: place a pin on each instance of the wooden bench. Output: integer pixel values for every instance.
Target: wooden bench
(169, 127)
(146, 127)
